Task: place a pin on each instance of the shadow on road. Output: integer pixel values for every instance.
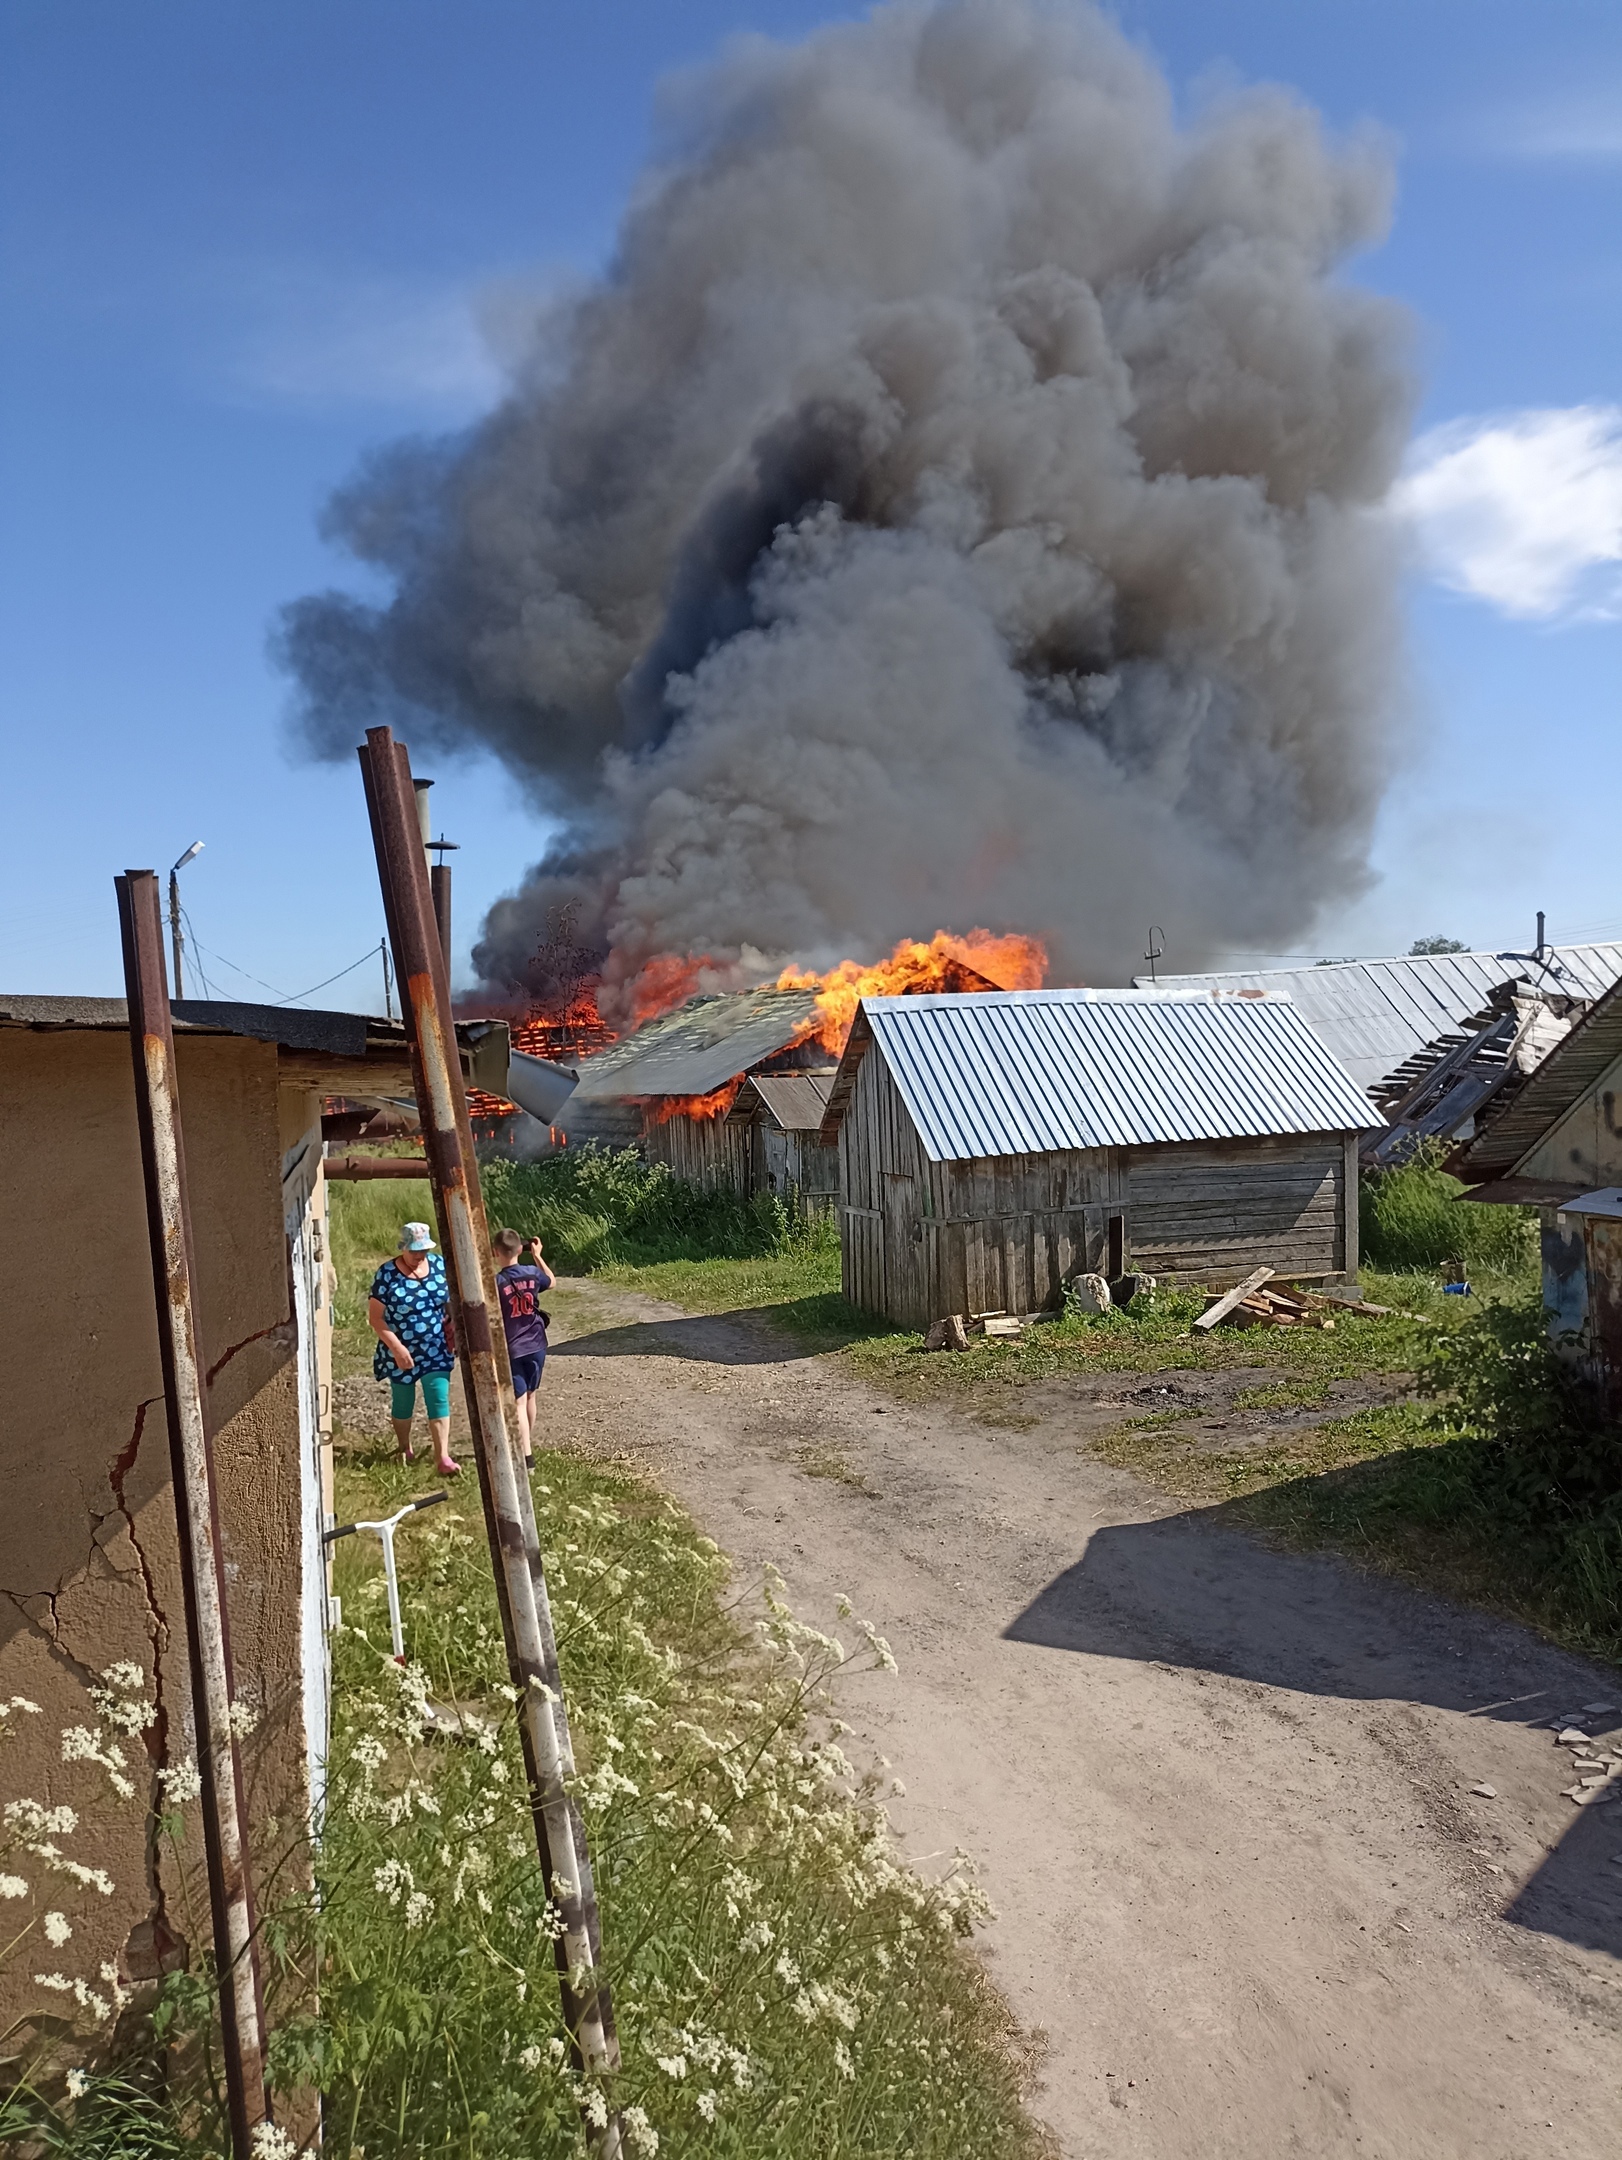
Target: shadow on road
(1189, 1590)
(717, 1339)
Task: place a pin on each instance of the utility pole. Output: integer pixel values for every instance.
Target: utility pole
(509, 1508)
(439, 876)
(191, 1464)
(177, 942)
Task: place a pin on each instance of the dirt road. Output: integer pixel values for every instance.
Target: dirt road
(1221, 1796)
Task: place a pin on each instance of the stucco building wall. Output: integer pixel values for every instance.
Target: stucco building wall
(89, 1572)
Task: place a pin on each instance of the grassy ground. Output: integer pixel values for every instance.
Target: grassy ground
(783, 1985)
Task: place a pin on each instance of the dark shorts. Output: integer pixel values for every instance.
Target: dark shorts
(527, 1373)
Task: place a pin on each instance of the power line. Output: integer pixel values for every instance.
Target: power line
(282, 997)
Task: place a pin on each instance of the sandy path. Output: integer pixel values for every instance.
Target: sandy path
(1220, 1795)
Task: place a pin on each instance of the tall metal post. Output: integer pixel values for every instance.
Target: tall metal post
(177, 941)
(439, 880)
(526, 1617)
(191, 1457)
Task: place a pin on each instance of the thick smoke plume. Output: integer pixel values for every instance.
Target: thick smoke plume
(957, 504)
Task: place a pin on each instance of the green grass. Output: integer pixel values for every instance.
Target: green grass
(1413, 1218)
(784, 1983)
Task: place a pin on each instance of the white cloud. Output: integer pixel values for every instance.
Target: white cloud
(1523, 510)
(1584, 129)
(318, 338)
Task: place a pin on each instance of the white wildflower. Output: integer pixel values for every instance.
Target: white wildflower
(594, 2107)
(13, 1886)
(58, 1983)
(673, 2066)
(20, 1702)
(557, 2049)
(707, 2103)
(181, 1781)
(93, 1878)
(419, 1908)
(269, 2143)
(639, 2131)
(787, 1971)
(842, 2061)
(243, 1719)
(78, 2084)
(57, 1930)
(370, 1753)
(392, 1879)
(531, 2058)
(80, 1744)
(757, 1937)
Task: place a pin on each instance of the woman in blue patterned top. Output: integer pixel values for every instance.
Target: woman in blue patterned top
(409, 1310)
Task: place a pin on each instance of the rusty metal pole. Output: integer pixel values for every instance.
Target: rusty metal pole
(420, 964)
(191, 1456)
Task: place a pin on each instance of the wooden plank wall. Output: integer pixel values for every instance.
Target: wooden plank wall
(705, 1151)
(1227, 1206)
(1001, 1234)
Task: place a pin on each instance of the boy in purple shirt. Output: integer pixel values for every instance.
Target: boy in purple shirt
(520, 1284)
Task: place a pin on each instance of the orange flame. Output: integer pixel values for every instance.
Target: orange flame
(663, 983)
(978, 960)
(662, 1108)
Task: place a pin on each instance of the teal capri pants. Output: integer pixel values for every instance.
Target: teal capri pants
(436, 1396)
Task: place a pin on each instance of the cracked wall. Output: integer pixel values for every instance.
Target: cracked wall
(89, 1565)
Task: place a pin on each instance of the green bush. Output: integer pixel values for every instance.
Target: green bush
(597, 1207)
(1544, 1462)
(1411, 1218)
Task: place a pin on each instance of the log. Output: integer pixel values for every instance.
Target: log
(1240, 1291)
(375, 1166)
(947, 1334)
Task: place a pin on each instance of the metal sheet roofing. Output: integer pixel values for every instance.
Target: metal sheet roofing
(698, 1048)
(795, 1102)
(1375, 1013)
(1020, 1072)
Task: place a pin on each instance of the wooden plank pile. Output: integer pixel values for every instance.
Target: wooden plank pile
(1263, 1300)
(954, 1332)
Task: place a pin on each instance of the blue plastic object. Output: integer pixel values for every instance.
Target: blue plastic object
(1456, 1289)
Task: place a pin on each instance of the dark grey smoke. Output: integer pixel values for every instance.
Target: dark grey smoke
(957, 505)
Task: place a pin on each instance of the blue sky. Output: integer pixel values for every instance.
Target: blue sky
(241, 246)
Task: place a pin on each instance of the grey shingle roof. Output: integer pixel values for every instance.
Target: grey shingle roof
(697, 1048)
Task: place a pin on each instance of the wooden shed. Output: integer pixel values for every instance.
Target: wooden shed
(779, 1118)
(668, 1088)
(992, 1147)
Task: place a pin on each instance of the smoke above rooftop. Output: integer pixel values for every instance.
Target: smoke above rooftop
(956, 504)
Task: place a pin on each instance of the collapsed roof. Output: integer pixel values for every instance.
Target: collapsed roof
(698, 1048)
(1374, 1014)
(1514, 1125)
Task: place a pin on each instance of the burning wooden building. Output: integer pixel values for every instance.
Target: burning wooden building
(729, 1088)
(992, 1147)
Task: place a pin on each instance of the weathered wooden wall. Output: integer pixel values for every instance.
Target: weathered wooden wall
(1226, 1206)
(706, 1151)
(792, 1162)
(1005, 1233)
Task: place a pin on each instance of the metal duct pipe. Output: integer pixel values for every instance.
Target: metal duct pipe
(539, 1086)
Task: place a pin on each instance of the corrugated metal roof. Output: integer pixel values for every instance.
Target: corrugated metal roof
(1019, 1072)
(698, 1048)
(795, 1102)
(1375, 1013)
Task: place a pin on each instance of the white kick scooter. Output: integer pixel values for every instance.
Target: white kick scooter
(385, 1530)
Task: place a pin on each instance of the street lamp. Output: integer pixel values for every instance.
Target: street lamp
(177, 942)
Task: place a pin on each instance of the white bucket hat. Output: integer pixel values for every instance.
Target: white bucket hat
(416, 1237)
